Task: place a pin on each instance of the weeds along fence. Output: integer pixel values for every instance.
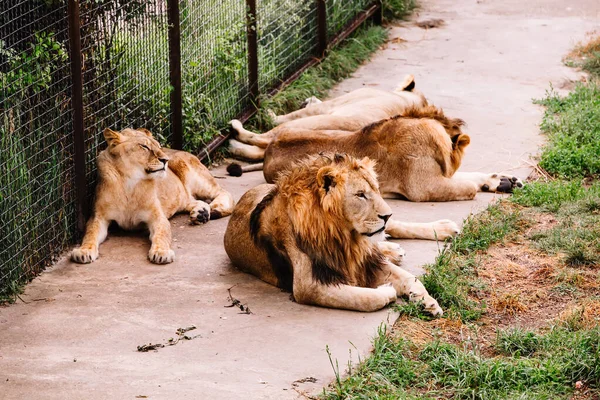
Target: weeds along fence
(70, 68)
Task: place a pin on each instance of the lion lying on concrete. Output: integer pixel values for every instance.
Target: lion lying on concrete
(315, 233)
(349, 112)
(417, 155)
(142, 183)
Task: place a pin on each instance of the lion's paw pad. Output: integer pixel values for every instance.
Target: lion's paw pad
(502, 183)
(84, 256)
(161, 256)
(200, 216)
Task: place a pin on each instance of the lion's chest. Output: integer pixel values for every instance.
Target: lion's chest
(131, 218)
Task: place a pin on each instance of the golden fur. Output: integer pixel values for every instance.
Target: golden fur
(141, 183)
(312, 233)
(348, 112)
(417, 154)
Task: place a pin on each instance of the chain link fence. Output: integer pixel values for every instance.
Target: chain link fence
(127, 55)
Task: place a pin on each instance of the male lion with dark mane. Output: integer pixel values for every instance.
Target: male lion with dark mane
(141, 183)
(417, 152)
(316, 231)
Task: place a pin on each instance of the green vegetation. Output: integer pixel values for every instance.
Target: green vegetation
(452, 277)
(572, 124)
(37, 212)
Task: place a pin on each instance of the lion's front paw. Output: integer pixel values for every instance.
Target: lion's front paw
(432, 307)
(501, 183)
(160, 256)
(200, 215)
(429, 303)
(388, 290)
(84, 256)
(445, 229)
(392, 251)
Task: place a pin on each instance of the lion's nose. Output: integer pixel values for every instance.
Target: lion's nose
(163, 160)
(385, 217)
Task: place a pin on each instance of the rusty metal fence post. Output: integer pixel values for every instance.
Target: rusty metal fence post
(77, 105)
(252, 38)
(174, 33)
(378, 13)
(321, 28)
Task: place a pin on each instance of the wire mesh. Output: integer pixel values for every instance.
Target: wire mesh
(287, 38)
(36, 192)
(125, 71)
(340, 12)
(214, 67)
(125, 56)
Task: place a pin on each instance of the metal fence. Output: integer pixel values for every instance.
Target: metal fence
(70, 68)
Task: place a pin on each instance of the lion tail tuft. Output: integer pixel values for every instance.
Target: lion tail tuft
(235, 169)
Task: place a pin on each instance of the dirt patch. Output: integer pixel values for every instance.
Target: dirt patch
(522, 287)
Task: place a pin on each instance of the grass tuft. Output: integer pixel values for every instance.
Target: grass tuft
(451, 279)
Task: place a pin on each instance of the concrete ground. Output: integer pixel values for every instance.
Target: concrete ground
(76, 335)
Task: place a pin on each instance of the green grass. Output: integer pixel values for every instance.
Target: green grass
(576, 234)
(451, 279)
(572, 124)
(526, 365)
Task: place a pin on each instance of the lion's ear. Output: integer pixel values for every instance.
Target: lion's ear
(460, 141)
(368, 163)
(326, 179)
(146, 131)
(112, 138)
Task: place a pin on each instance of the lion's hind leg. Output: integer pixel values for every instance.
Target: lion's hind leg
(251, 138)
(406, 284)
(199, 212)
(246, 151)
(208, 200)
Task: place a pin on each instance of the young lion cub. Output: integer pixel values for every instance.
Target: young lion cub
(142, 183)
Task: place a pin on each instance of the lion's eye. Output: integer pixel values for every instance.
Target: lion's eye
(145, 147)
(361, 195)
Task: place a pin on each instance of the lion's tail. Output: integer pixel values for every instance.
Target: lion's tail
(407, 84)
(235, 169)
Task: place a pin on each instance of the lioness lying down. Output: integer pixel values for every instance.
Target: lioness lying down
(417, 155)
(316, 231)
(141, 183)
(349, 112)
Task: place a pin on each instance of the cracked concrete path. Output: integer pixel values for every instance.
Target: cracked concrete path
(76, 336)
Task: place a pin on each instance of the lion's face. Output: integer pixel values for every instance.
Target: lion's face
(358, 192)
(136, 153)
